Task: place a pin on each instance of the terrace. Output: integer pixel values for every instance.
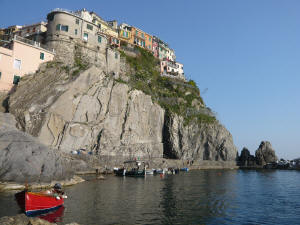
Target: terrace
(32, 43)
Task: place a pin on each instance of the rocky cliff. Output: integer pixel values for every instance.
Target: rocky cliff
(136, 114)
(24, 159)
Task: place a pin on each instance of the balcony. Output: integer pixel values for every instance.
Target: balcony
(172, 64)
(32, 43)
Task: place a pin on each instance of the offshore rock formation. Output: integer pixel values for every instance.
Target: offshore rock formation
(24, 159)
(246, 159)
(263, 155)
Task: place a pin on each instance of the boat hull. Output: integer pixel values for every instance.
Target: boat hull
(34, 203)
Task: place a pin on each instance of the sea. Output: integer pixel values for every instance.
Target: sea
(194, 197)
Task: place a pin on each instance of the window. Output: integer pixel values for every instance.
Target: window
(90, 27)
(16, 79)
(75, 31)
(149, 38)
(99, 39)
(33, 30)
(142, 35)
(0, 75)
(85, 36)
(116, 55)
(62, 27)
(28, 30)
(149, 46)
(42, 56)
(77, 21)
(17, 64)
(136, 33)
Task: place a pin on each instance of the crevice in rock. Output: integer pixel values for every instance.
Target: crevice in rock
(109, 100)
(125, 120)
(168, 151)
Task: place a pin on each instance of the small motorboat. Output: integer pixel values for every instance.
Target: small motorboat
(186, 169)
(132, 168)
(161, 171)
(34, 203)
(150, 172)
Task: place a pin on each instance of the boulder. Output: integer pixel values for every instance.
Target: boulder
(24, 159)
(265, 154)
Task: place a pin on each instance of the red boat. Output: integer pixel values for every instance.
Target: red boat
(33, 203)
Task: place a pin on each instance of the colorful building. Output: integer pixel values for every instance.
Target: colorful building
(138, 37)
(82, 25)
(67, 25)
(155, 46)
(9, 32)
(21, 57)
(33, 32)
(125, 32)
(109, 29)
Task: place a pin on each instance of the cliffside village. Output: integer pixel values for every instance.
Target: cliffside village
(24, 48)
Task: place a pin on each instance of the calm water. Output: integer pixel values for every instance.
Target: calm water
(196, 197)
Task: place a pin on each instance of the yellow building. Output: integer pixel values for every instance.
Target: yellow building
(9, 32)
(125, 32)
(107, 28)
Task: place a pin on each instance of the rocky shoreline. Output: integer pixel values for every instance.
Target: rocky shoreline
(22, 219)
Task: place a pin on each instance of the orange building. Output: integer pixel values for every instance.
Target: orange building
(141, 38)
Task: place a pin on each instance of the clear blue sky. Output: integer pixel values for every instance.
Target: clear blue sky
(246, 53)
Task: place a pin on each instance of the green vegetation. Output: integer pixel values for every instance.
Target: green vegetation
(174, 95)
(79, 63)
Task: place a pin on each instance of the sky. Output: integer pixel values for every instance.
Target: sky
(243, 54)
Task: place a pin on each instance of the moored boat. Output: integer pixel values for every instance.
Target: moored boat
(33, 203)
(186, 169)
(132, 168)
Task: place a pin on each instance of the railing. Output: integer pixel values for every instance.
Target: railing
(33, 43)
(171, 64)
(67, 11)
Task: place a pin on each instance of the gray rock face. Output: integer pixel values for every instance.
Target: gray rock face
(265, 154)
(24, 159)
(99, 114)
(197, 141)
(94, 113)
(246, 159)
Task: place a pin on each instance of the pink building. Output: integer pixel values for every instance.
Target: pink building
(155, 47)
(21, 57)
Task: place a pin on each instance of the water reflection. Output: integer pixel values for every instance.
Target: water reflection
(55, 216)
(196, 197)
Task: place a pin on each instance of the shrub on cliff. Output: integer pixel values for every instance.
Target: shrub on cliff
(174, 95)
